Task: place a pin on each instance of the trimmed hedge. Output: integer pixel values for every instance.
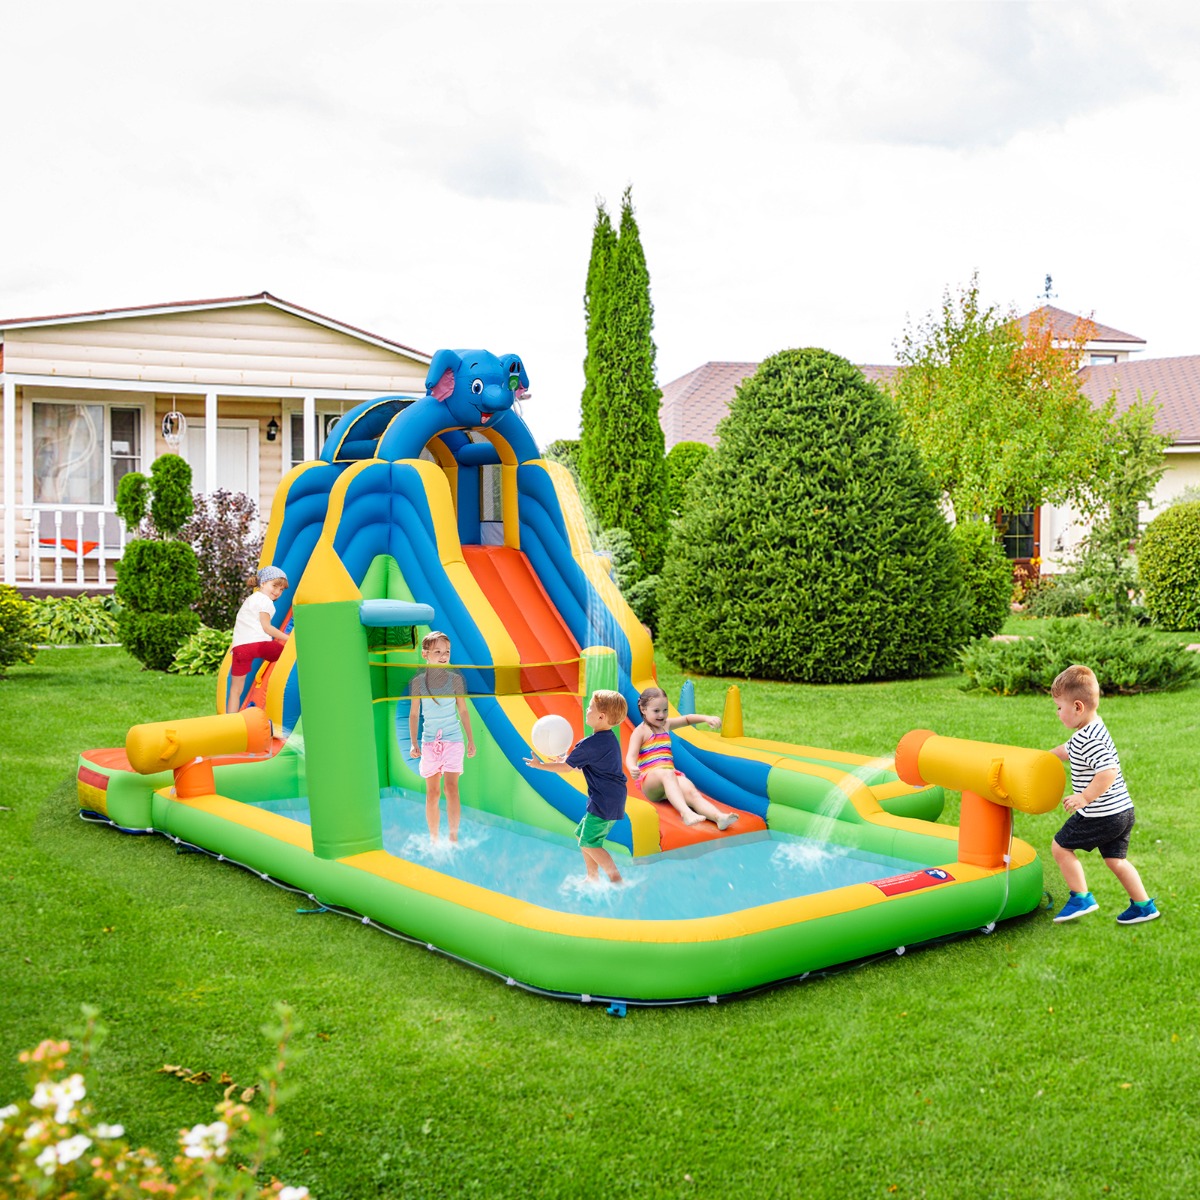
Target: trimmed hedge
(1126, 660)
(812, 547)
(154, 638)
(683, 461)
(1169, 567)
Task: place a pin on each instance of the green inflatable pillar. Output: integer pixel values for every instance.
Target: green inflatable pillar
(339, 729)
(599, 664)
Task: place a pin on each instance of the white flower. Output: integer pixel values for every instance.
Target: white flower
(62, 1097)
(64, 1152)
(71, 1148)
(291, 1193)
(109, 1131)
(205, 1141)
(9, 1110)
(35, 1132)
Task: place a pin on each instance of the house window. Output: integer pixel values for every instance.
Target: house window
(1019, 532)
(82, 451)
(1098, 360)
(325, 424)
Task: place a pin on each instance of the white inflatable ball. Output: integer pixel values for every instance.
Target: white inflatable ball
(552, 736)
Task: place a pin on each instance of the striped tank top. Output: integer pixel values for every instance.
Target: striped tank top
(655, 753)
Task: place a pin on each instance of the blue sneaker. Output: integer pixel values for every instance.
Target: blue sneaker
(1078, 904)
(1136, 913)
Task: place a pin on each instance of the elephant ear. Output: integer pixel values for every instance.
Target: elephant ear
(439, 380)
(516, 370)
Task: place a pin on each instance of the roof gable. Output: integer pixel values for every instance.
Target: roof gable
(201, 306)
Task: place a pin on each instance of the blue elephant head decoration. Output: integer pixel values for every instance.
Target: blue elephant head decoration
(476, 387)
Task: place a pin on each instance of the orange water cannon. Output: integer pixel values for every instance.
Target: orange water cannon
(185, 747)
(993, 779)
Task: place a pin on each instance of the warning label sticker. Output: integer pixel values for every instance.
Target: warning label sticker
(912, 881)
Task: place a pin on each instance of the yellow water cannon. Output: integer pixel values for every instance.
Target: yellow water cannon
(185, 746)
(993, 779)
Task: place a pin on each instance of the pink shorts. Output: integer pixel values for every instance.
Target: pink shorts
(439, 757)
(244, 656)
(637, 783)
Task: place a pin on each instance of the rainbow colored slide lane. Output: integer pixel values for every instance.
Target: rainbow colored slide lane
(383, 536)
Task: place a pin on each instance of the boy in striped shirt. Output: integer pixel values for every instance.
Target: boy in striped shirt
(1100, 807)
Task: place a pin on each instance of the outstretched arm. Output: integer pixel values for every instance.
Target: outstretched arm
(693, 719)
(1061, 752)
(275, 634)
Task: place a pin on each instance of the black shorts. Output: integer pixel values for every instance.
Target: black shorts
(1109, 835)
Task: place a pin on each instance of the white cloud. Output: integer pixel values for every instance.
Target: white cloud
(803, 173)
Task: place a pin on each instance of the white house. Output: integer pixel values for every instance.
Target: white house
(259, 382)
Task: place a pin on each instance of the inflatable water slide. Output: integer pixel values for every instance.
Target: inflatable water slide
(438, 512)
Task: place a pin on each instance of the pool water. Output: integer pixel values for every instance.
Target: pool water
(547, 868)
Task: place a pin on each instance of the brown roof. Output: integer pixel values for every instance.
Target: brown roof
(191, 305)
(1063, 326)
(1173, 383)
(694, 403)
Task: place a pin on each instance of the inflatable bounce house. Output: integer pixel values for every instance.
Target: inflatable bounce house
(437, 512)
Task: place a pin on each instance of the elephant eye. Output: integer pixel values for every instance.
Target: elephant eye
(477, 387)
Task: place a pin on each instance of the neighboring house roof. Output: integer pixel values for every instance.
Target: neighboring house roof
(184, 306)
(1173, 383)
(694, 403)
(1064, 325)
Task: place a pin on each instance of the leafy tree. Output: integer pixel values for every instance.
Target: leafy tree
(621, 459)
(1131, 464)
(812, 547)
(997, 413)
(683, 461)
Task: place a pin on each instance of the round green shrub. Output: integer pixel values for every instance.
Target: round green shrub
(171, 493)
(812, 547)
(154, 638)
(155, 576)
(683, 461)
(987, 577)
(1169, 567)
(16, 629)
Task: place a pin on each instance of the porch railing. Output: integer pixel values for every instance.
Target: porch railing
(62, 541)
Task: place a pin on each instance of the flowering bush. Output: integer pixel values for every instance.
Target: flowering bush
(51, 1146)
(224, 533)
(16, 629)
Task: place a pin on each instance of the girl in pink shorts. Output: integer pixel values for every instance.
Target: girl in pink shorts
(442, 708)
(253, 634)
(652, 765)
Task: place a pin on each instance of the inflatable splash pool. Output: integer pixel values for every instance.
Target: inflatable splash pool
(432, 512)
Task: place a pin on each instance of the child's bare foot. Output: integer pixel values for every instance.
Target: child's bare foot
(726, 819)
(692, 818)
(453, 836)
(615, 880)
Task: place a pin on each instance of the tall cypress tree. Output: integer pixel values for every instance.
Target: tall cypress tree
(595, 310)
(622, 462)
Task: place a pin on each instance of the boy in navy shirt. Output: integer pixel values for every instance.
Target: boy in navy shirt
(599, 758)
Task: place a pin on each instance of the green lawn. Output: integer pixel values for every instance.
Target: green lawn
(1039, 1062)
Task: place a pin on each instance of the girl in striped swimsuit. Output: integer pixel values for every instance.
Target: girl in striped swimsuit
(652, 765)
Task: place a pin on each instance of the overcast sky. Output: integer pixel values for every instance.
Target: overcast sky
(803, 174)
